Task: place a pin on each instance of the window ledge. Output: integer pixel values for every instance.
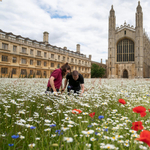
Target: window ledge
(38, 56)
(5, 62)
(5, 50)
(23, 64)
(128, 62)
(24, 53)
(38, 66)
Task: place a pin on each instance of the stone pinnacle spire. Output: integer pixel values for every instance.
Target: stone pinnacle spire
(139, 8)
(112, 12)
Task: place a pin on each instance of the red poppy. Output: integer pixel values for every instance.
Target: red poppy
(149, 110)
(137, 126)
(76, 111)
(144, 137)
(92, 114)
(122, 101)
(141, 110)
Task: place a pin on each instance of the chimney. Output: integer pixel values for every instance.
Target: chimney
(78, 48)
(90, 56)
(101, 61)
(45, 37)
(106, 62)
(65, 47)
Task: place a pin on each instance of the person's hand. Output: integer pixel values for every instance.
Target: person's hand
(62, 90)
(55, 93)
(81, 95)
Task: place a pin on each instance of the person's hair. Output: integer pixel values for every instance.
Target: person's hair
(75, 73)
(64, 68)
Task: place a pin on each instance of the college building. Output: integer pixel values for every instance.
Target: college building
(128, 48)
(23, 57)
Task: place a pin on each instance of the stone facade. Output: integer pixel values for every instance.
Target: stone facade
(128, 48)
(23, 57)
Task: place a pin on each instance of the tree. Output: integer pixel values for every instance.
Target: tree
(97, 71)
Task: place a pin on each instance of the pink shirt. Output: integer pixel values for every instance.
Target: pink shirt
(57, 74)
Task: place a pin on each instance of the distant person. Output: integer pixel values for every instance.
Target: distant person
(55, 80)
(76, 82)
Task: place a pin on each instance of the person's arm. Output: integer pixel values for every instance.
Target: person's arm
(61, 86)
(65, 83)
(52, 83)
(82, 89)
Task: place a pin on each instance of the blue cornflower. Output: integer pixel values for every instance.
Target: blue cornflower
(57, 131)
(106, 129)
(100, 117)
(90, 126)
(32, 127)
(52, 125)
(96, 133)
(10, 144)
(15, 136)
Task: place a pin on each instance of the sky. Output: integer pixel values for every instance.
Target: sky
(70, 22)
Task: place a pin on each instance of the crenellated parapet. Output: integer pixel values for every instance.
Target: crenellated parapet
(125, 26)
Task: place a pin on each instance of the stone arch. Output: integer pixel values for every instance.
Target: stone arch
(129, 38)
(125, 73)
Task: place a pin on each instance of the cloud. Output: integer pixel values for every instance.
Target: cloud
(70, 22)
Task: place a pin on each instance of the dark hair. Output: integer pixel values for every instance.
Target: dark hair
(64, 68)
(75, 73)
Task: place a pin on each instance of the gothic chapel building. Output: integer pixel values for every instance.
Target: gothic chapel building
(128, 48)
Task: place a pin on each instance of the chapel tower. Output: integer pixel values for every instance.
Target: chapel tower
(111, 44)
(139, 42)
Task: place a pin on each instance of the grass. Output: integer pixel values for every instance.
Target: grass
(24, 104)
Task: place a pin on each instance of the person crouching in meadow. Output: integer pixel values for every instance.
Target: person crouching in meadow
(76, 82)
(55, 80)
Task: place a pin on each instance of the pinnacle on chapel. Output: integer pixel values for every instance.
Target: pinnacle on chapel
(112, 9)
(112, 12)
(125, 23)
(139, 8)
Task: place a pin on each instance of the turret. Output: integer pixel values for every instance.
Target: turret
(139, 42)
(111, 44)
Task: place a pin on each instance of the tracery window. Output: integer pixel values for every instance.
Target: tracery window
(125, 50)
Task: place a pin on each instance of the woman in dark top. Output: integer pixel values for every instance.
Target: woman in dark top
(55, 80)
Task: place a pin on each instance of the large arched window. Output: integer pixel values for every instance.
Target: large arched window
(125, 50)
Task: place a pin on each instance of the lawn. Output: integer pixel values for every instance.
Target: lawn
(33, 119)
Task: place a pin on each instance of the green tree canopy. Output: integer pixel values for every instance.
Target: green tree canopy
(97, 71)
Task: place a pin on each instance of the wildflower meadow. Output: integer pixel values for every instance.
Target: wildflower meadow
(111, 114)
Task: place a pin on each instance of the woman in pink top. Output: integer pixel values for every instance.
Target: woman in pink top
(55, 80)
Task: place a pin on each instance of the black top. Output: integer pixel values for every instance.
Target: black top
(75, 83)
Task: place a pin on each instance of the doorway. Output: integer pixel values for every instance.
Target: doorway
(125, 74)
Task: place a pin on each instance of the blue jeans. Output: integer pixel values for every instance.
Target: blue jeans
(76, 89)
